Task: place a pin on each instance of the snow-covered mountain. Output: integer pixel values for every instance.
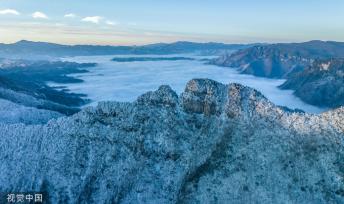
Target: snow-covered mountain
(214, 143)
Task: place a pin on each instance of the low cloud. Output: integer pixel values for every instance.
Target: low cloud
(40, 15)
(92, 19)
(9, 12)
(70, 15)
(112, 23)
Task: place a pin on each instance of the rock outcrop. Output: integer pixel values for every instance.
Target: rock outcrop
(213, 144)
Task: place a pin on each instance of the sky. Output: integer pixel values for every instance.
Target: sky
(137, 22)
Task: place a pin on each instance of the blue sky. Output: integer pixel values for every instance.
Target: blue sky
(130, 22)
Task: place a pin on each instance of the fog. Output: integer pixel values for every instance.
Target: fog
(125, 81)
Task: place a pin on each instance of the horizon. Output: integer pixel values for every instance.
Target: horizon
(148, 22)
(180, 41)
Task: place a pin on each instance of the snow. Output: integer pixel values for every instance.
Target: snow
(246, 65)
(125, 81)
(325, 66)
(11, 113)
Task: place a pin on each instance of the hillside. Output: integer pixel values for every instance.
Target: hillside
(24, 82)
(13, 113)
(321, 83)
(282, 59)
(214, 143)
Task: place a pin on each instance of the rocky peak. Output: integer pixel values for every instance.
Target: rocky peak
(203, 96)
(212, 98)
(164, 96)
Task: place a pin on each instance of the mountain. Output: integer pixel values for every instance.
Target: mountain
(189, 47)
(321, 83)
(24, 83)
(282, 59)
(40, 50)
(214, 143)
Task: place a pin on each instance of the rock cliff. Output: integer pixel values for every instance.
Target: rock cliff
(214, 143)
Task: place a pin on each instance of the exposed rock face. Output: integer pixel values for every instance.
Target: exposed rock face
(280, 60)
(213, 144)
(320, 84)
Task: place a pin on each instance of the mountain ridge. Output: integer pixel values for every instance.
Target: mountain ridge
(295, 62)
(40, 49)
(214, 143)
(281, 59)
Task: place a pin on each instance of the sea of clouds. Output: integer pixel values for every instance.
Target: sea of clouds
(125, 81)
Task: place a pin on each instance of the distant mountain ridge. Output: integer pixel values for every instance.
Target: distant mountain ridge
(29, 48)
(24, 83)
(314, 69)
(282, 59)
